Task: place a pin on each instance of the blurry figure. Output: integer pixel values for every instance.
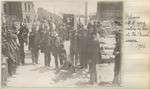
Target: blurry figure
(33, 45)
(10, 51)
(45, 43)
(14, 28)
(57, 45)
(73, 48)
(4, 28)
(89, 46)
(21, 45)
(25, 31)
(64, 31)
(117, 53)
(95, 27)
(47, 48)
(89, 25)
(95, 55)
(98, 25)
(82, 49)
(66, 69)
(118, 35)
(68, 28)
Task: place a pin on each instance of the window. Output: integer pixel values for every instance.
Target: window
(28, 7)
(25, 7)
(5, 8)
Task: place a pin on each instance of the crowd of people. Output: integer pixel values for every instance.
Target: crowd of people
(85, 49)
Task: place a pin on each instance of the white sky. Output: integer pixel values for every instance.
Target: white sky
(66, 6)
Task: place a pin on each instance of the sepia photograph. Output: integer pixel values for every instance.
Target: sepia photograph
(61, 43)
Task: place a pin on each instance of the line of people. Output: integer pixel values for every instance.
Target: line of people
(10, 51)
(85, 49)
(48, 42)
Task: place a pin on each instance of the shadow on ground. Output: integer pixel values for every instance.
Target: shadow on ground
(42, 69)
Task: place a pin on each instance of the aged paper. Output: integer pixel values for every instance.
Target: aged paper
(135, 60)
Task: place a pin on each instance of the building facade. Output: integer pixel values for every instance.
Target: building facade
(45, 14)
(18, 11)
(109, 10)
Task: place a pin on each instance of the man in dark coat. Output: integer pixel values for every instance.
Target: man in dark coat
(95, 52)
(33, 45)
(21, 47)
(89, 45)
(73, 48)
(25, 33)
(117, 53)
(47, 48)
(57, 45)
(45, 44)
(82, 50)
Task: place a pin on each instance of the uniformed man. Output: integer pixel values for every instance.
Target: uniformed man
(117, 53)
(68, 28)
(21, 45)
(95, 27)
(57, 45)
(33, 45)
(63, 32)
(73, 48)
(98, 25)
(82, 49)
(89, 25)
(25, 33)
(89, 45)
(45, 44)
(94, 57)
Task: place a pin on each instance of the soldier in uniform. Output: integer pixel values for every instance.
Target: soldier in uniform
(25, 33)
(117, 53)
(45, 44)
(82, 49)
(33, 45)
(57, 45)
(98, 24)
(94, 57)
(21, 45)
(73, 48)
(63, 31)
(89, 44)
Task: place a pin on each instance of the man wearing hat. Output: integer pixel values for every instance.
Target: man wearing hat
(33, 45)
(47, 48)
(94, 56)
(21, 47)
(73, 47)
(25, 33)
(57, 45)
(82, 49)
(117, 53)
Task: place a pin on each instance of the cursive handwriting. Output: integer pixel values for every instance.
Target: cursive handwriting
(140, 45)
(144, 35)
(135, 29)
